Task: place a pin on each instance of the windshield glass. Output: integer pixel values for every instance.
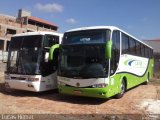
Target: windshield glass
(50, 40)
(85, 60)
(85, 37)
(49, 66)
(23, 55)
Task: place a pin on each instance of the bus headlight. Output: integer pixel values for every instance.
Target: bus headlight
(99, 85)
(33, 79)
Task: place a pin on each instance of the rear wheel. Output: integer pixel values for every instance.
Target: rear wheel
(122, 90)
(146, 82)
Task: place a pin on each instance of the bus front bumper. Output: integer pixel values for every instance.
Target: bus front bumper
(21, 85)
(88, 92)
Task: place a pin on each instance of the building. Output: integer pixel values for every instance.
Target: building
(10, 25)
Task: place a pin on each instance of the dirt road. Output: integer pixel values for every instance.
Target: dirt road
(143, 99)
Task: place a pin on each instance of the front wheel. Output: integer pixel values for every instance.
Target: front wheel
(122, 90)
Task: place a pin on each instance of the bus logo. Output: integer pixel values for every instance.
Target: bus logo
(132, 62)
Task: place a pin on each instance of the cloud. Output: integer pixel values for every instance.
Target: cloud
(71, 21)
(50, 7)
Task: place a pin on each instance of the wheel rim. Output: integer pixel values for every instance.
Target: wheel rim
(147, 80)
(122, 88)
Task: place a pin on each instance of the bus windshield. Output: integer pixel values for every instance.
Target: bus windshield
(83, 54)
(24, 54)
(85, 37)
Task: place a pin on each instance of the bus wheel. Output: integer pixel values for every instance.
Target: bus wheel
(122, 91)
(146, 82)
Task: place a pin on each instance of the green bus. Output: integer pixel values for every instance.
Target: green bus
(102, 61)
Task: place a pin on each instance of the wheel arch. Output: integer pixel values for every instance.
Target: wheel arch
(124, 78)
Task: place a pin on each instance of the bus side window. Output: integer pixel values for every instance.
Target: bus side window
(51, 40)
(142, 50)
(138, 48)
(125, 44)
(151, 53)
(51, 65)
(132, 46)
(115, 51)
(146, 52)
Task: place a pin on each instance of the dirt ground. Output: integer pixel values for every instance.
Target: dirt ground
(141, 100)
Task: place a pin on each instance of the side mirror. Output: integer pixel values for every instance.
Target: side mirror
(51, 51)
(108, 49)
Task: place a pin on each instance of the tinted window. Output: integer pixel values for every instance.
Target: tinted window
(125, 44)
(26, 41)
(25, 50)
(142, 50)
(146, 51)
(86, 37)
(138, 48)
(116, 40)
(132, 46)
(51, 40)
(85, 61)
(151, 53)
(115, 51)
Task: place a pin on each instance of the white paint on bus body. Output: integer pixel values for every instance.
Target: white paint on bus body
(133, 64)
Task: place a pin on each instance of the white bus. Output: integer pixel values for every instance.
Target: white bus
(102, 61)
(32, 61)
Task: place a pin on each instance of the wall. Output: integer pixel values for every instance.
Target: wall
(3, 56)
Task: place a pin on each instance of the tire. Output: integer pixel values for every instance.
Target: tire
(122, 91)
(146, 82)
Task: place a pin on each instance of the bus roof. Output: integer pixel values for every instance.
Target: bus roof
(106, 27)
(38, 33)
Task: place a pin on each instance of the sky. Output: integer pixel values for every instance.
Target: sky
(140, 18)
